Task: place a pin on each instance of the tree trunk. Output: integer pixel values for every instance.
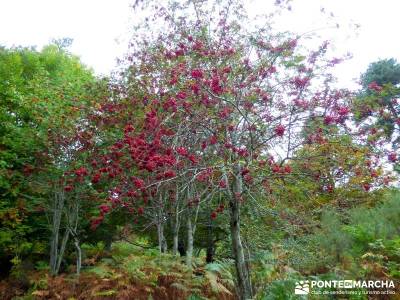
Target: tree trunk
(191, 228)
(210, 239)
(175, 240)
(176, 225)
(72, 217)
(243, 276)
(189, 248)
(53, 252)
(175, 234)
(61, 251)
(55, 230)
(56, 253)
(160, 235)
(78, 256)
(164, 244)
(210, 248)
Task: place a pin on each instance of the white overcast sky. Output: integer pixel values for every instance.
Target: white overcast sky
(100, 28)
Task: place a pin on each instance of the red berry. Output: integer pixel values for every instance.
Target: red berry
(287, 169)
(81, 172)
(140, 210)
(197, 73)
(193, 159)
(128, 128)
(104, 208)
(366, 187)
(386, 180)
(169, 174)
(279, 130)
(328, 120)
(139, 183)
(222, 184)
(96, 178)
(181, 151)
(245, 171)
(213, 140)
(343, 111)
(374, 86)
(392, 157)
(275, 168)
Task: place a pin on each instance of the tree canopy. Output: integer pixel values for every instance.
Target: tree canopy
(219, 161)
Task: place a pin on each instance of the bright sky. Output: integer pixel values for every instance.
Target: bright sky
(100, 28)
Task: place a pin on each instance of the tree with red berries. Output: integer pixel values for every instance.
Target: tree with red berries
(212, 108)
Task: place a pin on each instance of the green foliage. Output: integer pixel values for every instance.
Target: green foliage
(42, 265)
(382, 72)
(279, 289)
(317, 221)
(265, 268)
(106, 293)
(134, 260)
(93, 251)
(40, 284)
(381, 102)
(220, 276)
(122, 250)
(132, 267)
(101, 270)
(196, 297)
(305, 255)
(41, 93)
(349, 242)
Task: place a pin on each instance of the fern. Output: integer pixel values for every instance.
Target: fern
(101, 270)
(196, 297)
(179, 286)
(105, 293)
(215, 285)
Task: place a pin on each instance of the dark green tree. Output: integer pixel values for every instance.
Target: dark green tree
(377, 106)
(382, 72)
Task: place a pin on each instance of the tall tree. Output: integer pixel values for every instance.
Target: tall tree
(377, 107)
(41, 98)
(215, 105)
